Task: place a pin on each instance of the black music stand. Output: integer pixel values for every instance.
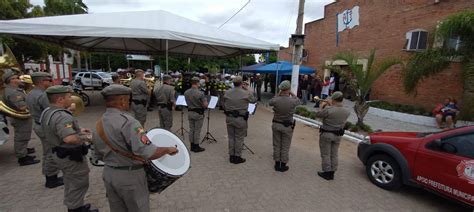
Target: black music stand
(245, 147)
(181, 130)
(212, 105)
(208, 137)
(252, 112)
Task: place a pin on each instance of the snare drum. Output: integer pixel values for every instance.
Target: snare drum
(164, 171)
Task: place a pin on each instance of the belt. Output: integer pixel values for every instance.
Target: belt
(37, 122)
(285, 123)
(197, 110)
(130, 168)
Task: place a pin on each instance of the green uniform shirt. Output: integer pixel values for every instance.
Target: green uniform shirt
(37, 101)
(194, 98)
(284, 107)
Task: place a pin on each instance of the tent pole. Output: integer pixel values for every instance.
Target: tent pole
(189, 64)
(240, 60)
(167, 56)
(276, 79)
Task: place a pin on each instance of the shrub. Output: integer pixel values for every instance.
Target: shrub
(400, 108)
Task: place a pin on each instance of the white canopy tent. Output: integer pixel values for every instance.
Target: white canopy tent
(143, 32)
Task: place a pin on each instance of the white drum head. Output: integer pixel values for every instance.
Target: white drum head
(176, 165)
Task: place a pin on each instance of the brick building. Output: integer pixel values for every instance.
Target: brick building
(396, 28)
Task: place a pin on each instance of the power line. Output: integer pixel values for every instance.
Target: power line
(234, 14)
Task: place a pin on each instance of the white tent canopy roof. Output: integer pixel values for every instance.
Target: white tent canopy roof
(143, 32)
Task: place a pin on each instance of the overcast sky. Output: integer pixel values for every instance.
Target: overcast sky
(268, 20)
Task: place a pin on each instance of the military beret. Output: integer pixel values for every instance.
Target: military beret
(195, 80)
(285, 85)
(237, 79)
(336, 95)
(56, 89)
(139, 70)
(7, 74)
(115, 89)
(40, 74)
(167, 77)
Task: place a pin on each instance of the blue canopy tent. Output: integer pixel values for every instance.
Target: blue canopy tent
(252, 68)
(282, 68)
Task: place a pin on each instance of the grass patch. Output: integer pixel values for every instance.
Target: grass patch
(400, 108)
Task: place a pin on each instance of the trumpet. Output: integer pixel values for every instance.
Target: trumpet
(317, 99)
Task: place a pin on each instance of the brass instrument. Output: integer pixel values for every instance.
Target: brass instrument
(8, 61)
(150, 81)
(78, 107)
(326, 101)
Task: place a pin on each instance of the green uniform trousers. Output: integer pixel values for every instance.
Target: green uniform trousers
(22, 129)
(195, 125)
(166, 118)
(281, 142)
(139, 112)
(76, 180)
(49, 168)
(236, 132)
(127, 190)
(329, 146)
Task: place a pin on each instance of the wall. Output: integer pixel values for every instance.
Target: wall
(383, 25)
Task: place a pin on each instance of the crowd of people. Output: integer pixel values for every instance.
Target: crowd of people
(120, 139)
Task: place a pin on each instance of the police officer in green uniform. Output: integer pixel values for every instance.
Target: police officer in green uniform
(15, 98)
(283, 124)
(140, 94)
(37, 101)
(334, 117)
(236, 102)
(67, 141)
(124, 178)
(165, 98)
(197, 103)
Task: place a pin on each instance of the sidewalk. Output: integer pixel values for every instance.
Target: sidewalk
(374, 121)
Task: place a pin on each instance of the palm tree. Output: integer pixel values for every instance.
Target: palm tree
(359, 79)
(432, 61)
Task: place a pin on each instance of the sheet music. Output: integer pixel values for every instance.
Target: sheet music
(251, 108)
(181, 101)
(213, 102)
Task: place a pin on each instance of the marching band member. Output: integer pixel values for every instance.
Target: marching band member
(121, 142)
(140, 94)
(15, 98)
(67, 141)
(236, 102)
(197, 103)
(334, 117)
(165, 98)
(283, 124)
(37, 101)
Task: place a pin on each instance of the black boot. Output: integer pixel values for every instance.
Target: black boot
(324, 175)
(27, 160)
(331, 175)
(53, 181)
(238, 160)
(231, 159)
(84, 208)
(277, 165)
(196, 148)
(30, 150)
(284, 167)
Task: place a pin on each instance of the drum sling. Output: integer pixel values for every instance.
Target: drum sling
(154, 185)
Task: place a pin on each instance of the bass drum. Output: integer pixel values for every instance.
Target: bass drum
(164, 171)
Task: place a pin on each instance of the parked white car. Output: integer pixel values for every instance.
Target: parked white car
(95, 80)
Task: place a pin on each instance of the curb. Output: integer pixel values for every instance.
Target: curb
(354, 137)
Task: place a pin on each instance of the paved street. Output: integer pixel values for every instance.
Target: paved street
(213, 184)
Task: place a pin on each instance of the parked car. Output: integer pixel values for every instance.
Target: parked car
(94, 80)
(442, 162)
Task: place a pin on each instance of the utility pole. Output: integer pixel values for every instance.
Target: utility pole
(298, 41)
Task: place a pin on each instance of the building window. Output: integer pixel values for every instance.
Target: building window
(453, 42)
(416, 40)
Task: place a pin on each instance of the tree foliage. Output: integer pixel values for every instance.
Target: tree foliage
(432, 61)
(359, 79)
